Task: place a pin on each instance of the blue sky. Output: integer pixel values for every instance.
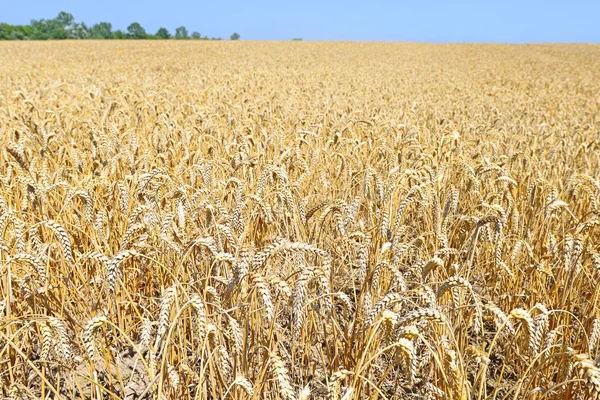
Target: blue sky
(423, 21)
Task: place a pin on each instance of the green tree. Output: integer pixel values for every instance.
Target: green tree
(162, 33)
(50, 28)
(102, 30)
(181, 33)
(65, 27)
(235, 36)
(135, 31)
(17, 35)
(78, 31)
(119, 34)
(56, 31)
(5, 30)
(38, 35)
(64, 18)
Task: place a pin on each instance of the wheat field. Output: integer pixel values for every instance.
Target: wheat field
(255, 220)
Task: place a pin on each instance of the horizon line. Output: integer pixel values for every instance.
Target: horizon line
(303, 40)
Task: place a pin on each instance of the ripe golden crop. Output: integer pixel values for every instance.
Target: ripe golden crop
(240, 220)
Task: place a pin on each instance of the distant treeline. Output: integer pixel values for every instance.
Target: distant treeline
(65, 27)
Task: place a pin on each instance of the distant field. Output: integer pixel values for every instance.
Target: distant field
(254, 220)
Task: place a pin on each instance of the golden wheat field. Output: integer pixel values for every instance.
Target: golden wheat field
(247, 220)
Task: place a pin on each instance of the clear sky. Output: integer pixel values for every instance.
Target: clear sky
(510, 21)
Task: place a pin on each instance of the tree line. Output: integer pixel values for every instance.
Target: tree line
(65, 27)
